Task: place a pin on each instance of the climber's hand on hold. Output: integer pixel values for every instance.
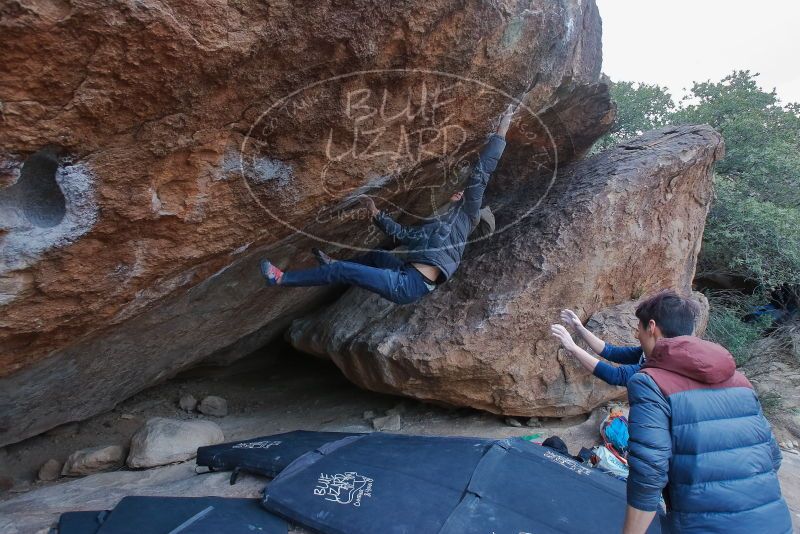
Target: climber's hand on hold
(570, 318)
(505, 120)
(560, 333)
(369, 205)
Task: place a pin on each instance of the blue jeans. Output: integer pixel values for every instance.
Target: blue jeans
(378, 271)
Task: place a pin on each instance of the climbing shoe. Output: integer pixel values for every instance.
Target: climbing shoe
(322, 258)
(270, 273)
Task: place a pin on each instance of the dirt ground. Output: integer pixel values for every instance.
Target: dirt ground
(265, 395)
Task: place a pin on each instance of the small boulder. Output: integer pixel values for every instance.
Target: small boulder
(213, 405)
(400, 409)
(390, 423)
(188, 403)
(164, 441)
(533, 422)
(369, 414)
(94, 460)
(513, 421)
(50, 470)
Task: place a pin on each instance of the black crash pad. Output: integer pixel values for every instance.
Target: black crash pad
(191, 515)
(80, 522)
(422, 484)
(266, 455)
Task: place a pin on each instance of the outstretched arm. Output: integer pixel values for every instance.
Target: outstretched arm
(389, 226)
(485, 166)
(571, 319)
(586, 359)
(612, 353)
(615, 375)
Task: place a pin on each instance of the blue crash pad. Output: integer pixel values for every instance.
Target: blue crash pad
(191, 515)
(377, 483)
(266, 455)
(523, 487)
(423, 484)
(80, 522)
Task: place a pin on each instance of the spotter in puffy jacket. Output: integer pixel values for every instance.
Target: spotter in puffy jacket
(697, 435)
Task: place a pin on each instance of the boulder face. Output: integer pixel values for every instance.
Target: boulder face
(610, 229)
(150, 152)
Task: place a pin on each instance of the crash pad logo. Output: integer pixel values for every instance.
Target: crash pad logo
(407, 138)
(344, 488)
(570, 464)
(257, 445)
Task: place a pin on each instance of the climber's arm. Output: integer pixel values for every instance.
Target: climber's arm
(389, 226)
(485, 166)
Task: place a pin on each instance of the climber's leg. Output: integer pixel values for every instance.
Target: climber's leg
(380, 259)
(401, 285)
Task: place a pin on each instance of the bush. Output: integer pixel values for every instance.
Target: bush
(751, 238)
(725, 325)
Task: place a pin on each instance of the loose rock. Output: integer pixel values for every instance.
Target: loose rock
(387, 423)
(94, 460)
(213, 405)
(188, 403)
(369, 414)
(50, 470)
(163, 441)
(512, 421)
(400, 409)
(533, 422)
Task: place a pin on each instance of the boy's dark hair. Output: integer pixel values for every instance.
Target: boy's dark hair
(673, 314)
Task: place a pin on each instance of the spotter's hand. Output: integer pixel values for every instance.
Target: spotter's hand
(570, 318)
(560, 333)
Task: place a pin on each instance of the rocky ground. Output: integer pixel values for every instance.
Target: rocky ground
(297, 392)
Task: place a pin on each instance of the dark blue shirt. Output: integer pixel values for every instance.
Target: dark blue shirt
(631, 358)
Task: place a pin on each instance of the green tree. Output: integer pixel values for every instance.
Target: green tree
(753, 228)
(640, 107)
(762, 137)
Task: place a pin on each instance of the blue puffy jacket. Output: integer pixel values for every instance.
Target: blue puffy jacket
(441, 243)
(697, 433)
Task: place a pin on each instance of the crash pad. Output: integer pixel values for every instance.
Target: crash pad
(191, 515)
(266, 455)
(451, 485)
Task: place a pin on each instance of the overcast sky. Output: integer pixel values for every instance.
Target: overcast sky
(675, 42)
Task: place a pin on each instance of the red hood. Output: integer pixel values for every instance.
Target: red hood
(693, 358)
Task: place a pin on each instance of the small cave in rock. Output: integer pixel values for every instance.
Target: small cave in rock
(38, 193)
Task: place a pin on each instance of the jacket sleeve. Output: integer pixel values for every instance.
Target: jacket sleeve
(650, 444)
(624, 355)
(615, 375)
(393, 229)
(479, 179)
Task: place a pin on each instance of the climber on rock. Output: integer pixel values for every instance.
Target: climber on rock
(434, 249)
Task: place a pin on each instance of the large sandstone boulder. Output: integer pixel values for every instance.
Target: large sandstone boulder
(609, 229)
(150, 152)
